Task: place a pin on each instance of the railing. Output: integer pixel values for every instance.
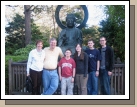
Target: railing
(17, 79)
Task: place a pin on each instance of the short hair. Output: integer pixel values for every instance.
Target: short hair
(103, 37)
(91, 40)
(71, 16)
(38, 41)
(52, 39)
(68, 50)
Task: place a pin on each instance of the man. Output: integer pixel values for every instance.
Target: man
(50, 75)
(106, 66)
(70, 36)
(93, 68)
(66, 71)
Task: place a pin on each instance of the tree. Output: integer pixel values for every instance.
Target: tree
(27, 24)
(15, 34)
(113, 28)
(91, 33)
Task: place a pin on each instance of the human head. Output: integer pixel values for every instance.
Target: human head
(53, 43)
(78, 47)
(79, 50)
(68, 52)
(102, 41)
(90, 43)
(39, 44)
(70, 20)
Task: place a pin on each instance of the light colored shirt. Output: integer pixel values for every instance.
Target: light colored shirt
(35, 60)
(51, 57)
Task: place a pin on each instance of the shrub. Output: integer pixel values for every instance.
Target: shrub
(25, 51)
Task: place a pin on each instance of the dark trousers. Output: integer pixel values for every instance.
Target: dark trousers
(36, 77)
(104, 82)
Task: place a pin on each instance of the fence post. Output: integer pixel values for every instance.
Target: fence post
(10, 77)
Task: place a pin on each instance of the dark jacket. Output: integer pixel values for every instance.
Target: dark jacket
(82, 65)
(109, 58)
(29, 84)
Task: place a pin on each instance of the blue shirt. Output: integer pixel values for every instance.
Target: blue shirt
(93, 57)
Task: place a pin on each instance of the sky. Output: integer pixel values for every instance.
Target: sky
(96, 14)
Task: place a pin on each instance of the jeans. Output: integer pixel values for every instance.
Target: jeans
(81, 82)
(104, 82)
(92, 84)
(50, 81)
(67, 86)
(36, 77)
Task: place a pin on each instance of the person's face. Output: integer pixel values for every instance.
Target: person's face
(39, 45)
(102, 41)
(78, 48)
(53, 44)
(68, 53)
(70, 22)
(90, 44)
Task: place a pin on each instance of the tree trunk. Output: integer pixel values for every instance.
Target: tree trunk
(27, 24)
(53, 18)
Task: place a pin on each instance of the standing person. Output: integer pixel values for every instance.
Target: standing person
(93, 68)
(35, 66)
(50, 75)
(106, 66)
(81, 59)
(66, 69)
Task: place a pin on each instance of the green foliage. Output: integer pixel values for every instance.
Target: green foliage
(91, 33)
(113, 28)
(25, 51)
(14, 59)
(15, 34)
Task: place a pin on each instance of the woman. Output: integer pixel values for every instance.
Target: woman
(35, 66)
(81, 59)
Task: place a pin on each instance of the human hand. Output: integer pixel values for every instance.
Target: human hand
(28, 74)
(109, 73)
(72, 80)
(60, 78)
(85, 76)
(97, 73)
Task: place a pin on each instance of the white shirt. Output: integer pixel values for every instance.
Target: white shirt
(35, 60)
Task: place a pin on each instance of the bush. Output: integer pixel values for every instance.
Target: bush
(25, 51)
(14, 59)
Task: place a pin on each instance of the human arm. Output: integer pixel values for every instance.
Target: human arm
(97, 72)
(59, 71)
(111, 59)
(29, 63)
(73, 74)
(73, 70)
(85, 64)
(61, 53)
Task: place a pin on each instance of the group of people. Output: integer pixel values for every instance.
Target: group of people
(48, 66)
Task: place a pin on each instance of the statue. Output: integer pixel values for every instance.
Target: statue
(70, 36)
